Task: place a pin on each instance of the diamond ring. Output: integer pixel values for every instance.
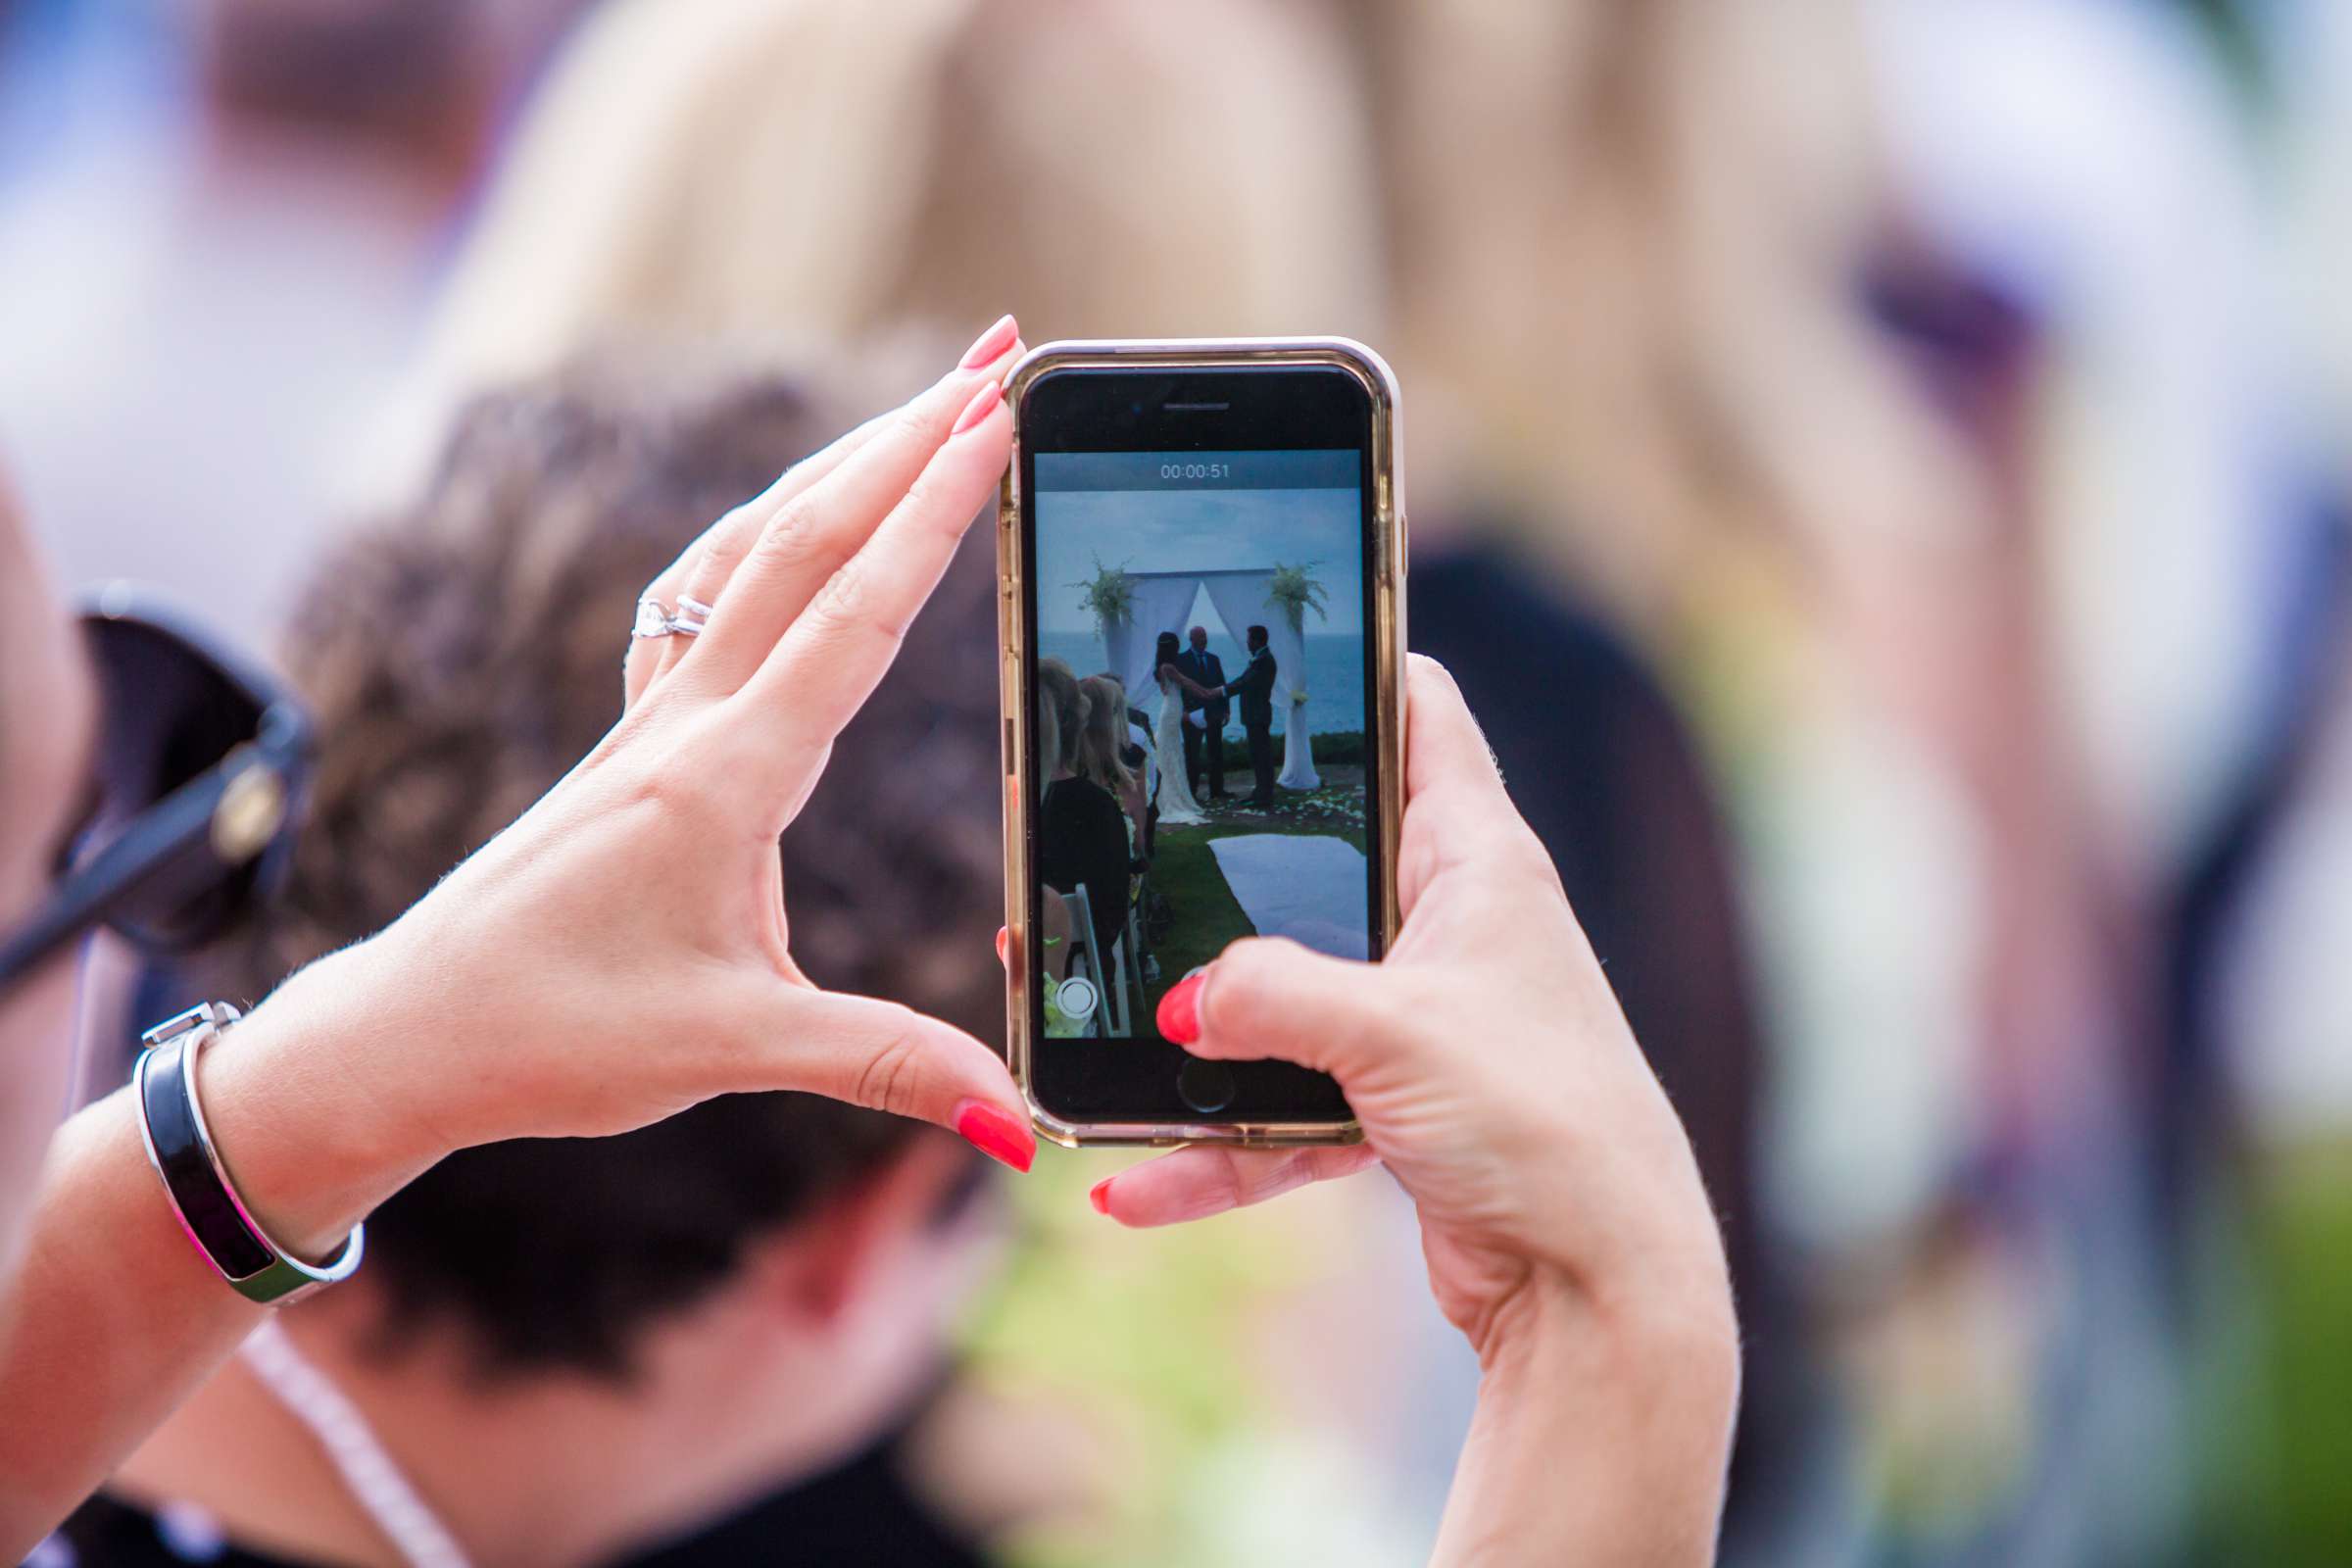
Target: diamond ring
(652, 620)
(656, 619)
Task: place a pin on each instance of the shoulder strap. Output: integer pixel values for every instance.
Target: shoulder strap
(368, 1473)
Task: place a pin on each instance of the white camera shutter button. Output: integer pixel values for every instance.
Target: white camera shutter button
(1076, 997)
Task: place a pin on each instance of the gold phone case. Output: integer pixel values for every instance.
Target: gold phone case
(1387, 653)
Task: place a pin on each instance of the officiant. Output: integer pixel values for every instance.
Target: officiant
(1205, 718)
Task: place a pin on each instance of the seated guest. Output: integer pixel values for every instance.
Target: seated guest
(1054, 917)
(1107, 756)
(1134, 726)
(686, 1343)
(1081, 832)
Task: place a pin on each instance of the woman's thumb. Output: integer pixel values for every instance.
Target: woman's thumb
(1270, 996)
(891, 1057)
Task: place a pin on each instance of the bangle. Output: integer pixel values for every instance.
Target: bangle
(180, 1147)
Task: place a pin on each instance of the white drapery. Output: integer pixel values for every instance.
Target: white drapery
(1158, 606)
(1242, 603)
(1161, 601)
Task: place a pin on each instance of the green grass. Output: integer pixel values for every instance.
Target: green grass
(1207, 917)
(2278, 1434)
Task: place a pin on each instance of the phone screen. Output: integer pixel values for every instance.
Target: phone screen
(1203, 700)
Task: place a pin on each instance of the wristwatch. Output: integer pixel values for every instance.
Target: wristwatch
(180, 1147)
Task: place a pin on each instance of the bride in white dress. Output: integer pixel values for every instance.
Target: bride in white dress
(1175, 800)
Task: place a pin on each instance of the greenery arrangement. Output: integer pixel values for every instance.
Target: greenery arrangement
(1109, 594)
(1296, 591)
(1338, 747)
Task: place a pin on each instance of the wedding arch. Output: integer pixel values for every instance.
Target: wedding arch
(1158, 601)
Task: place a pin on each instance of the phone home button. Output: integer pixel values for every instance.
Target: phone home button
(1205, 1086)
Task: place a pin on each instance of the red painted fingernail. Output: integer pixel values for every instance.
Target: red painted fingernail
(1180, 1010)
(1099, 1194)
(991, 343)
(984, 403)
(996, 1133)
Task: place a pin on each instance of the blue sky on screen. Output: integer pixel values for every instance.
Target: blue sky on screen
(1199, 530)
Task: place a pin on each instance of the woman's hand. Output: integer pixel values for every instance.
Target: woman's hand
(620, 951)
(1486, 1056)
(1565, 1227)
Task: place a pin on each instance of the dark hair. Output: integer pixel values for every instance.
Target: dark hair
(1257, 636)
(458, 661)
(1164, 651)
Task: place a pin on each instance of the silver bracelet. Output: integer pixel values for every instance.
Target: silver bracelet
(180, 1148)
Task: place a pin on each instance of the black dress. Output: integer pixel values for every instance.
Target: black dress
(1082, 842)
(861, 1512)
(1599, 762)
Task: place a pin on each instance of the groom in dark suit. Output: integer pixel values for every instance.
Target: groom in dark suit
(1199, 664)
(1255, 689)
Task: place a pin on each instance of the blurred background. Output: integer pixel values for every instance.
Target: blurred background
(1880, 468)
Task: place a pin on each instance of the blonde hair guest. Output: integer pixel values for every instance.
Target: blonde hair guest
(1054, 917)
(1061, 720)
(1099, 745)
(1112, 170)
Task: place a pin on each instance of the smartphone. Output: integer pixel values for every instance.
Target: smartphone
(1201, 550)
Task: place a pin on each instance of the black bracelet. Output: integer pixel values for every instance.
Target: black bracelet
(180, 1147)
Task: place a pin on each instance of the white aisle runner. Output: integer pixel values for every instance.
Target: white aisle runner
(1307, 888)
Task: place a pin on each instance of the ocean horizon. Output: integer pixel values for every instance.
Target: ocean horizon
(1335, 675)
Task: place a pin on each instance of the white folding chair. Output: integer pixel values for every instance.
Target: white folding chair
(1127, 967)
(1082, 950)
(1118, 990)
(1143, 738)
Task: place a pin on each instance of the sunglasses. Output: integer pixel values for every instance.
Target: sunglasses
(192, 799)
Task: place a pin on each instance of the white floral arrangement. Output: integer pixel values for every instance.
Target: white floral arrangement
(1109, 594)
(1296, 590)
